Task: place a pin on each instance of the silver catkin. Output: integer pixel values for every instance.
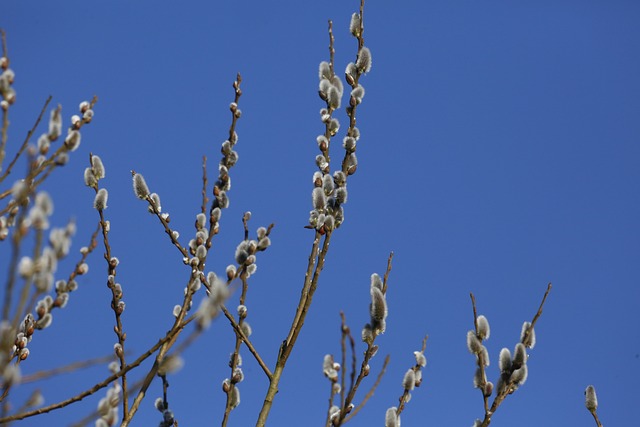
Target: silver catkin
(590, 398)
(473, 343)
(483, 327)
(390, 418)
(98, 167)
(409, 380)
(318, 198)
(504, 362)
(376, 281)
(378, 305)
(100, 201)
(140, 186)
(528, 335)
(363, 63)
(354, 25)
(519, 355)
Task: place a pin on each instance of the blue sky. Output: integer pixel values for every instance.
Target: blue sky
(499, 152)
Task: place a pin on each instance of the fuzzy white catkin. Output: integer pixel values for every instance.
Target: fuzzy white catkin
(391, 419)
(327, 184)
(519, 355)
(378, 305)
(100, 201)
(591, 400)
(530, 340)
(504, 362)
(324, 71)
(358, 93)
(519, 376)
(376, 281)
(318, 198)
(156, 201)
(72, 141)
(234, 398)
(55, 124)
(90, 179)
(140, 186)
(473, 343)
(483, 327)
(363, 63)
(334, 97)
(98, 167)
(409, 380)
(354, 25)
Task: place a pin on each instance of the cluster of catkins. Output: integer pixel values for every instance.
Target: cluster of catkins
(167, 414)
(229, 159)
(513, 368)
(330, 369)
(330, 192)
(92, 175)
(73, 138)
(6, 81)
(230, 385)
(40, 272)
(377, 310)
(412, 378)
(108, 405)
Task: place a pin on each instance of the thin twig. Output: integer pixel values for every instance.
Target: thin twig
(99, 385)
(205, 198)
(71, 367)
(371, 390)
(595, 417)
(247, 342)
(116, 296)
(26, 140)
(508, 388)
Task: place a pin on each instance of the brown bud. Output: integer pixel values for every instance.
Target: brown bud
(349, 78)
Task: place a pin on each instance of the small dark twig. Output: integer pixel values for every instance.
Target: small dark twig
(71, 367)
(205, 198)
(371, 390)
(26, 140)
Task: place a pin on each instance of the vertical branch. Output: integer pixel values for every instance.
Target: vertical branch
(480, 359)
(205, 199)
(117, 305)
(236, 376)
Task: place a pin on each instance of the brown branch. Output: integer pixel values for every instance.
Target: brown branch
(239, 338)
(406, 393)
(71, 367)
(205, 198)
(97, 386)
(371, 390)
(173, 333)
(116, 296)
(368, 355)
(509, 387)
(539, 313)
(480, 358)
(247, 342)
(386, 273)
(595, 417)
(235, 115)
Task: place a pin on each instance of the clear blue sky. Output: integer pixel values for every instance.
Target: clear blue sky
(500, 151)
